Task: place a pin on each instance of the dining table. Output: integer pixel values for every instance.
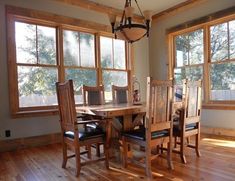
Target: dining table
(111, 111)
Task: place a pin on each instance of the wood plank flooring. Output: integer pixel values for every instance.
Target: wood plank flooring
(217, 163)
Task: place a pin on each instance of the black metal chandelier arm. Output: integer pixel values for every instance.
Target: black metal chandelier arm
(123, 13)
(139, 8)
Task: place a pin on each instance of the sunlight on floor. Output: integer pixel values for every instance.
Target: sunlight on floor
(219, 142)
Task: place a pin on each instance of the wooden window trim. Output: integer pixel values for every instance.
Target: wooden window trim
(202, 23)
(60, 23)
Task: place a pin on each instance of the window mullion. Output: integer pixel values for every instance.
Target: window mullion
(206, 68)
(98, 60)
(79, 48)
(228, 40)
(60, 53)
(113, 52)
(37, 57)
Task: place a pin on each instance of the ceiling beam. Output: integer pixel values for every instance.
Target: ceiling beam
(87, 4)
(177, 8)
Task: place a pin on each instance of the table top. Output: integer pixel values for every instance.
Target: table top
(111, 110)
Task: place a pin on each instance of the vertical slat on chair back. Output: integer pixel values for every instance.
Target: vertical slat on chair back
(159, 101)
(120, 94)
(93, 95)
(193, 98)
(66, 103)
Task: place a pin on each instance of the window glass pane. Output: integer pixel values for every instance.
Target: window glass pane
(219, 42)
(179, 75)
(46, 45)
(194, 73)
(71, 48)
(119, 54)
(25, 37)
(196, 47)
(223, 81)
(182, 49)
(110, 78)
(87, 44)
(37, 86)
(106, 52)
(232, 39)
(80, 77)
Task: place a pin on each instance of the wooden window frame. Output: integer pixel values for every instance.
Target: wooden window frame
(205, 26)
(61, 23)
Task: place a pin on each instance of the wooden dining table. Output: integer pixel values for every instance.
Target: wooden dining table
(111, 111)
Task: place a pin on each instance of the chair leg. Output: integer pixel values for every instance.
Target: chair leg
(64, 154)
(78, 161)
(188, 140)
(175, 143)
(124, 153)
(182, 155)
(98, 149)
(88, 148)
(169, 156)
(106, 152)
(148, 168)
(197, 145)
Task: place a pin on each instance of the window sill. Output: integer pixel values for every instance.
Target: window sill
(219, 106)
(35, 113)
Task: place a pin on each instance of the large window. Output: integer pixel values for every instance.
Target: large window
(36, 64)
(79, 60)
(189, 56)
(113, 63)
(207, 53)
(222, 57)
(40, 53)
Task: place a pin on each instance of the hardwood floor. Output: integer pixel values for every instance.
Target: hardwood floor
(44, 164)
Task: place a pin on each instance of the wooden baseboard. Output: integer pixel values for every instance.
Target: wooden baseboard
(20, 143)
(218, 131)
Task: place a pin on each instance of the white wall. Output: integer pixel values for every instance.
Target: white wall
(26, 127)
(141, 64)
(158, 53)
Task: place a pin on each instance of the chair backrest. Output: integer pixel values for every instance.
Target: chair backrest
(179, 91)
(66, 103)
(159, 105)
(93, 95)
(120, 94)
(193, 101)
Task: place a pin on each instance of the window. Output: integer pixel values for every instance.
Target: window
(222, 66)
(79, 60)
(207, 52)
(189, 56)
(37, 70)
(42, 52)
(113, 63)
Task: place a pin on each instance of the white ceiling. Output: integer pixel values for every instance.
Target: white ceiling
(155, 6)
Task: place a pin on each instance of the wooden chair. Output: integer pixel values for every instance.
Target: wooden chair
(158, 125)
(189, 119)
(93, 96)
(72, 137)
(120, 94)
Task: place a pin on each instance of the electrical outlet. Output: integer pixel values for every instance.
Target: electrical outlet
(7, 133)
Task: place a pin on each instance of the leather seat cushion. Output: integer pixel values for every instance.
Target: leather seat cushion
(83, 135)
(177, 130)
(140, 134)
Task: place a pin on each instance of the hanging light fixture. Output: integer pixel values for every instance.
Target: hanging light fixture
(126, 29)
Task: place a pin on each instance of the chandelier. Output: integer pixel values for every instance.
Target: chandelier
(126, 29)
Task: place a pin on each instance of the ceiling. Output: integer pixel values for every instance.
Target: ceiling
(155, 6)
